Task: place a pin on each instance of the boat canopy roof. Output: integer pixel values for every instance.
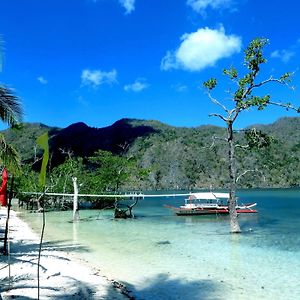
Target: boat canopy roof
(222, 195)
(209, 196)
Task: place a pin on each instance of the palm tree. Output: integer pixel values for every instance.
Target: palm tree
(11, 114)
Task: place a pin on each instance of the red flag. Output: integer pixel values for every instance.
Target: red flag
(3, 189)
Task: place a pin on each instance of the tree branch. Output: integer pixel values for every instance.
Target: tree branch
(285, 105)
(214, 138)
(215, 101)
(247, 171)
(218, 115)
(270, 79)
(235, 112)
(257, 85)
(244, 147)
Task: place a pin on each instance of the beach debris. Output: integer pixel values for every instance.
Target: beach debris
(53, 275)
(122, 288)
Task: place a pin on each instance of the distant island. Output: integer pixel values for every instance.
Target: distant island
(176, 157)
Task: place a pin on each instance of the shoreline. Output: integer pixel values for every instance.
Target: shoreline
(63, 274)
(160, 257)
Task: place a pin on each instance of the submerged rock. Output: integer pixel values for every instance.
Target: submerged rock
(163, 243)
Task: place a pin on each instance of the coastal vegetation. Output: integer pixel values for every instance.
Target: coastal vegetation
(157, 157)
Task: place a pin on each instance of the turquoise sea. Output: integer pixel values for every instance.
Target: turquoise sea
(159, 255)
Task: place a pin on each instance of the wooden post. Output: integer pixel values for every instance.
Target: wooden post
(75, 200)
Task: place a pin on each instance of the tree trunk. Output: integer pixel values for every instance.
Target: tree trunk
(39, 205)
(124, 213)
(234, 224)
(130, 207)
(75, 200)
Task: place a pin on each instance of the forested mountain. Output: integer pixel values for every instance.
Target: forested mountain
(176, 157)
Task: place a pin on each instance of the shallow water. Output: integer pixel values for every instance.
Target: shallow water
(162, 256)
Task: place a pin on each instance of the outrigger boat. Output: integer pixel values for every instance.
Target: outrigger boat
(209, 203)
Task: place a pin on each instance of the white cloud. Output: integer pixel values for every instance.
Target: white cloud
(284, 55)
(137, 86)
(42, 80)
(128, 5)
(96, 78)
(201, 49)
(179, 87)
(201, 5)
(81, 100)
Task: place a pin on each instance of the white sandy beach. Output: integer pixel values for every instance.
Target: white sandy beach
(63, 275)
(157, 257)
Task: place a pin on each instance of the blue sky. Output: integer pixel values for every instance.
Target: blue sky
(98, 61)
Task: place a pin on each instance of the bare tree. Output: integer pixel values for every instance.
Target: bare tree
(242, 99)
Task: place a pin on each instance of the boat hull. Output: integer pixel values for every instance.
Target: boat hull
(205, 211)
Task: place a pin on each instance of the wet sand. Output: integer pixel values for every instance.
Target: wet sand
(63, 274)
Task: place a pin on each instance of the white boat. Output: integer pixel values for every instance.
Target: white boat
(208, 203)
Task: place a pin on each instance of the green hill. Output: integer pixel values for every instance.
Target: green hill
(177, 157)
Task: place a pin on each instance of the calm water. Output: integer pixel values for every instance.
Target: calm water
(162, 256)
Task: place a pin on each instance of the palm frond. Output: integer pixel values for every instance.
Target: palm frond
(10, 107)
(9, 157)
